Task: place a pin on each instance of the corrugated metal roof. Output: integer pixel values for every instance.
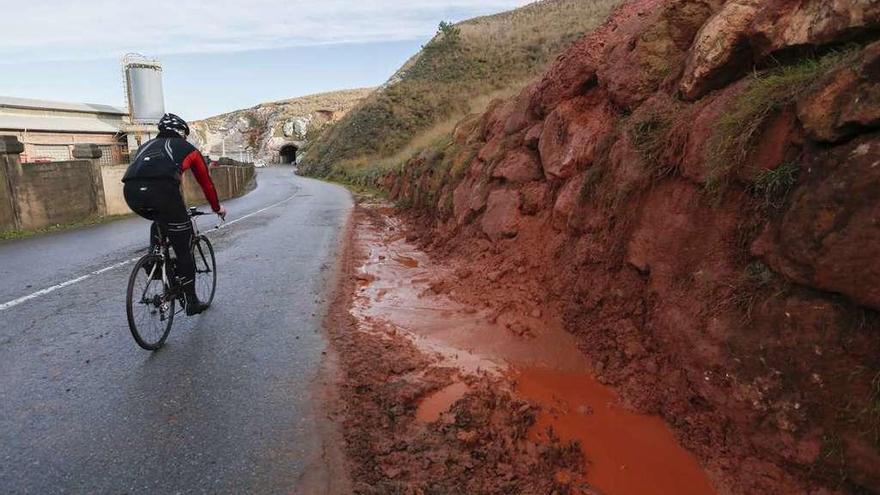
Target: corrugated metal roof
(12, 102)
(20, 122)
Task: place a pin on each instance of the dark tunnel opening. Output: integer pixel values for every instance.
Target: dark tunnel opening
(288, 154)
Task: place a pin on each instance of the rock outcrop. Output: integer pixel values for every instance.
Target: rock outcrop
(847, 103)
(695, 188)
(264, 129)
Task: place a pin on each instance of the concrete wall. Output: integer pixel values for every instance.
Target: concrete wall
(7, 207)
(54, 193)
(111, 177)
(230, 181)
(33, 196)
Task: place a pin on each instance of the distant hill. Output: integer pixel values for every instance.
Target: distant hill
(263, 129)
(456, 73)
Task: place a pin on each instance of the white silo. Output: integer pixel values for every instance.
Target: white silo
(143, 88)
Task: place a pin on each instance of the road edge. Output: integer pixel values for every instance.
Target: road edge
(329, 473)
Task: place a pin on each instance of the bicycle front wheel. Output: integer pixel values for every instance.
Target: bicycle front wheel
(206, 269)
(149, 304)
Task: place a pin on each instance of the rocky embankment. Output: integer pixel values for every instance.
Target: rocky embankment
(694, 188)
(264, 129)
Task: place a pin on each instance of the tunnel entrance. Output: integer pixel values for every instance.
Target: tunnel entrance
(288, 153)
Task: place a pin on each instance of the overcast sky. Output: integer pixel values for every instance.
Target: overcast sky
(217, 55)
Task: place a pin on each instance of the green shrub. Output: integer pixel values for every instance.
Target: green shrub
(774, 185)
(449, 33)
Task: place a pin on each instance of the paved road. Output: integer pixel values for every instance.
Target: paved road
(225, 407)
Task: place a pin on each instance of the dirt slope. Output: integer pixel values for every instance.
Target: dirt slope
(694, 188)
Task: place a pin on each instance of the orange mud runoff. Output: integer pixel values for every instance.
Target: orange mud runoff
(627, 453)
(439, 402)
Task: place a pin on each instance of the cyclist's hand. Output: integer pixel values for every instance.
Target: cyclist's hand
(222, 213)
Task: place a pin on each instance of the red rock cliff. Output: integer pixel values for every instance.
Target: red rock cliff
(695, 187)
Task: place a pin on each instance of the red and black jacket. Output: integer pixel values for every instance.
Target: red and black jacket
(168, 157)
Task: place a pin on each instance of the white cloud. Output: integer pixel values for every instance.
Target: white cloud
(71, 29)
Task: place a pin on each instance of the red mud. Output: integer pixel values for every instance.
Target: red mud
(477, 442)
(433, 406)
(625, 453)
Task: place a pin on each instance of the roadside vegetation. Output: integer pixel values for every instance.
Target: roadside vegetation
(457, 73)
(767, 93)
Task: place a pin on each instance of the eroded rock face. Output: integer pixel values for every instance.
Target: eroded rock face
(720, 52)
(677, 239)
(847, 103)
(572, 133)
(633, 71)
(574, 72)
(502, 214)
(782, 25)
(518, 166)
(567, 200)
(779, 142)
(533, 136)
(535, 196)
(492, 150)
(297, 127)
(495, 118)
(705, 116)
(829, 238)
(522, 114)
(627, 165)
(468, 197)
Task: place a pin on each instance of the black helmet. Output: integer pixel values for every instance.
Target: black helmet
(171, 122)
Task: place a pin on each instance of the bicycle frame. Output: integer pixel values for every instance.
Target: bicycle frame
(161, 251)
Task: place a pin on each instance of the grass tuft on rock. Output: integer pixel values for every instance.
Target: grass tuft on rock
(774, 185)
(649, 136)
(768, 92)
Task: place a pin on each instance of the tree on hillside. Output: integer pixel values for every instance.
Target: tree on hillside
(449, 33)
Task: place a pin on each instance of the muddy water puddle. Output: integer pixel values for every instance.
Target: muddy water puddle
(433, 406)
(627, 453)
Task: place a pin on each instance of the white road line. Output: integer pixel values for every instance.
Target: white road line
(48, 290)
(273, 205)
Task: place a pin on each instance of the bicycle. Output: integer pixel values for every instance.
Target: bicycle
(151, 313)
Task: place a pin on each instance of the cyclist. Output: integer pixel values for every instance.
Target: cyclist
(152, 190)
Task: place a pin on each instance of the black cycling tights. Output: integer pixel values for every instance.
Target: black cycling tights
(161, 202)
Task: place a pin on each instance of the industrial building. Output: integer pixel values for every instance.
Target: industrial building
(50, 129)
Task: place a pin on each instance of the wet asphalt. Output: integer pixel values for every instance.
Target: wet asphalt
(225, 407)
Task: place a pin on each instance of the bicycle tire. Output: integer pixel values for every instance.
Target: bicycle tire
(206, 269)
(139, 334)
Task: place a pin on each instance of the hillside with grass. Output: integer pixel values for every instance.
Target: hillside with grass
(458, 72)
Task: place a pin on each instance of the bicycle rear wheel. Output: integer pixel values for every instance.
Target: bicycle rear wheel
(206, 269)
(149, 304)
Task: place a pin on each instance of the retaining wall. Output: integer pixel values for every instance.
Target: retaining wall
(33, 196)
